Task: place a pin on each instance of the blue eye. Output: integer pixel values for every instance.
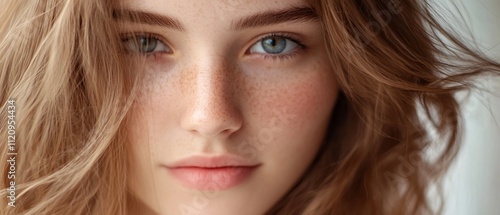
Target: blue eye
(145, 44)
(274, 45)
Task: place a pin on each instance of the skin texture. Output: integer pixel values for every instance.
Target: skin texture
(208, 95)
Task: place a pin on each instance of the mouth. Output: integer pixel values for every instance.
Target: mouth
(212, 173)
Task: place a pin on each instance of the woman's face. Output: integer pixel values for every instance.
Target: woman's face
(235, 103)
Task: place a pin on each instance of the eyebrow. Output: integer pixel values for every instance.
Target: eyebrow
(258, 20)
(147, 18)
(276, 17)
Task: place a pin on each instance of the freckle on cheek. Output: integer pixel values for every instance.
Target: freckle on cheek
(301, 102)
(186, 81)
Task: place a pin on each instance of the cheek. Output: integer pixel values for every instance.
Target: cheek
(304, 99)
(157, 89)
(305, 110)
(297, 110)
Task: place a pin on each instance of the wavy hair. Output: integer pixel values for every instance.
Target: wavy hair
(394, 61)
(398, 68)
(58, 61)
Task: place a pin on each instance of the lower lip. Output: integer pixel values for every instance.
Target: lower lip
(212, 178)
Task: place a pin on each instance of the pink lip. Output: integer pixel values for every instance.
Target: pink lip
(212, 173)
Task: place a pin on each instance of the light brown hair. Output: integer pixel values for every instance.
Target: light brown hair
(61, 63)
(392, 59)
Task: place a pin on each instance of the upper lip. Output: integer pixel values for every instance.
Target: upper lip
(200, 161)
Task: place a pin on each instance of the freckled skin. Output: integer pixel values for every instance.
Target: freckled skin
(211, 98)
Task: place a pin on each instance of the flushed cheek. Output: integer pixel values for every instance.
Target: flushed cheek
(290, 119)
(299, 103)
(293, 115)
(306, 109)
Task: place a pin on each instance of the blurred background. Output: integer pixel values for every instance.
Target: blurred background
(472, 185)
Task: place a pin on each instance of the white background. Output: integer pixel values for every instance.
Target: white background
(472, 186)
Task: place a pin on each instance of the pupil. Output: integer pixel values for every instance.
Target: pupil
(274, 45)
(147, 44)
(272, 42)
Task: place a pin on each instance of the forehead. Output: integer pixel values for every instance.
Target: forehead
(200, 13)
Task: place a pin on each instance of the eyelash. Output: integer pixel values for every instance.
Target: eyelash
(275, 57)
(283, 57)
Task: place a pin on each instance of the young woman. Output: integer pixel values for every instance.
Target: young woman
(227, 107)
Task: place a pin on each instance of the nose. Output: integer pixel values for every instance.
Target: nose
(212, 107)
